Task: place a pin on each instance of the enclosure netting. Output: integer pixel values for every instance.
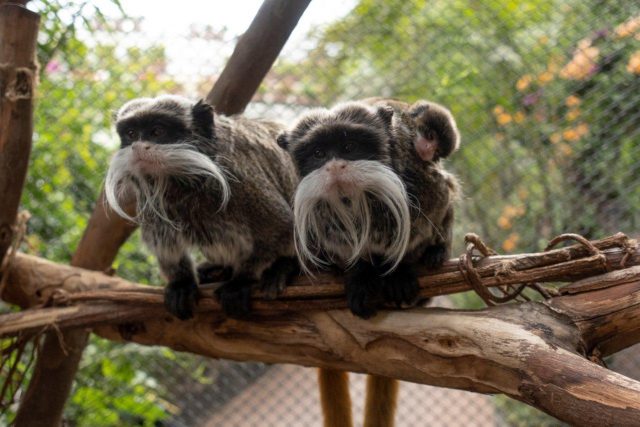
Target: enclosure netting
(547, 98)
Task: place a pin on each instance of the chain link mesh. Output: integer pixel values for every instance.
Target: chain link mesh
(546, 95)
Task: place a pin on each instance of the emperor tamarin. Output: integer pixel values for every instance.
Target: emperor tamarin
(209, 182)
(374, 199)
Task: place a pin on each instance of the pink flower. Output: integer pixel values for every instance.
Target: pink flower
(52, 67)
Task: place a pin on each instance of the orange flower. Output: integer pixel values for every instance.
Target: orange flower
(498, 109)
(555, 137)
(511, 242)
(572, 101)
(543, 40)
(570, 135)
(628, 27)
(545, 77)
(634, 63)
(581, 65)
(524, 82)
(504, 223)
(519, 117)
(582, 129)
(503, 119)
(572, 114)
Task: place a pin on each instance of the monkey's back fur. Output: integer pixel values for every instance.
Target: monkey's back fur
(256, 225)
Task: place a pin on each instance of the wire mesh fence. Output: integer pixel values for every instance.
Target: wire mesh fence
(547, 98)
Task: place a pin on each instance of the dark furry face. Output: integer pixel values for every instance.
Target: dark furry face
(153, 127)
(341, 141)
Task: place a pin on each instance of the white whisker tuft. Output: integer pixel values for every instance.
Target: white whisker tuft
(319, 212)
(168, 161)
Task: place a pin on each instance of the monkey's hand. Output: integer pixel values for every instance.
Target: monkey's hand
(235, 297)
(277, 277)
(401, 286)
(362, 286)
(434, 256)
(180, 297)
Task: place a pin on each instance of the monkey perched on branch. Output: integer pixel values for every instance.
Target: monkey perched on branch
(374, 202)
(218, 184)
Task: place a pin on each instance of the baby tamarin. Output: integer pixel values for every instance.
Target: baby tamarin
(209, 182)
(374, 201)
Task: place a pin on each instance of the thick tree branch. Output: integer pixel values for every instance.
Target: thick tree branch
(535, 352)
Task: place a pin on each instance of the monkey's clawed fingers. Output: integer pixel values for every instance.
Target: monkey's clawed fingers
(362, 286)
(434, 256)
(180, 298)
(400, 286)
(235, 297)
(277, 277)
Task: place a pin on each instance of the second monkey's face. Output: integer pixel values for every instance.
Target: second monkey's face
(342, 157)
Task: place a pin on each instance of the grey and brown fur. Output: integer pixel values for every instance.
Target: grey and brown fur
(388, 132)
(239, 218)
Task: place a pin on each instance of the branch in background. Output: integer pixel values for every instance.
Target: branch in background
(254, 54)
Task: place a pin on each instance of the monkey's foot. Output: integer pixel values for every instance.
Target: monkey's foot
(434, 256)
(362, 286)
(235, 297)
(277, 277)
(400, 286)
(180, 298)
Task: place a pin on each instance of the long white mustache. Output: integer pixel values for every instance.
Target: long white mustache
(172, 160)
(312, 203)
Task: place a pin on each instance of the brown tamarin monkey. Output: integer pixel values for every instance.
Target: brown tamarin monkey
(374, 202)
(217, 184)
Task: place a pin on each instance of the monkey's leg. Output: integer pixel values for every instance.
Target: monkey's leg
(335, 398)
(363, 285)
(401, 285)
(381, 401)
(181, 294)
(277, 276)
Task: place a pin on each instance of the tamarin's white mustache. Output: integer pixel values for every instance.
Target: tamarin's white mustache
(171, 160)
(315, 209)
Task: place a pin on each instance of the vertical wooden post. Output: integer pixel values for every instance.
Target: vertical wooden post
(258, 48)
(18, 33)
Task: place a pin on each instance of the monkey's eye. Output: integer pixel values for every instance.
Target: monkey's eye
(131, 134)
(157, 131)
(348, 147)
(319, 154)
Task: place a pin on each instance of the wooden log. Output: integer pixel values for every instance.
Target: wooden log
(254, 54)
(18, 34)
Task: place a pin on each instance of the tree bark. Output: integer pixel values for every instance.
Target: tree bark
(18, 34)
(536, 352)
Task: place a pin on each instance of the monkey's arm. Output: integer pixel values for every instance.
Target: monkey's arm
(181, 293)
(436, 254)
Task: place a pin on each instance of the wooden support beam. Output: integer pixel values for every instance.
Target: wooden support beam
(18, 34)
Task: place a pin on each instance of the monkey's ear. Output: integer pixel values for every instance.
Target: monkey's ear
(385, 112)
(283, 140)
(202, 119)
